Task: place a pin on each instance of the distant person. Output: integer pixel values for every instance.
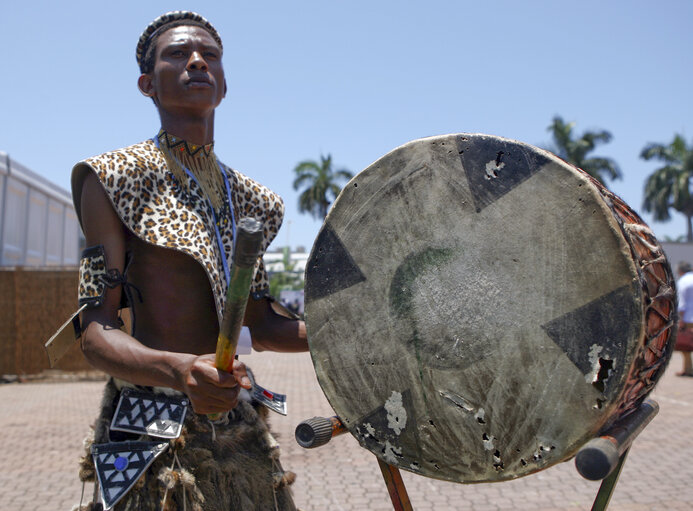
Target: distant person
(684, 340)
(159, 219)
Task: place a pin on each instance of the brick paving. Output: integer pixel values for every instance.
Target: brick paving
(43, 425)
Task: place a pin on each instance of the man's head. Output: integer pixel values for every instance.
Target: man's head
(146, 46)
(683, 267)
(179, 55)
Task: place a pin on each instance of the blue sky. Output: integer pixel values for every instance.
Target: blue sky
(356, 79)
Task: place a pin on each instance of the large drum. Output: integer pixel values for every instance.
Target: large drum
(477, 309)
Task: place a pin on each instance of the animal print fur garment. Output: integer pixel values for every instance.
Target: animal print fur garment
(92, 267)
(232, 466)
(158, 210)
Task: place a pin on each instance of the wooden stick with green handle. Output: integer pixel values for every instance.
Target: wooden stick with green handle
(246, 251)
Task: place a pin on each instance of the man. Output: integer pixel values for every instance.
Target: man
(159, 220)
(684, 339)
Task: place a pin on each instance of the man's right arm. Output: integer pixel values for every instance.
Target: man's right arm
(108, 348)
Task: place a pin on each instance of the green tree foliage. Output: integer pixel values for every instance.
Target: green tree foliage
(289, 279)
(319, 182)
(283, 280)
(669, 187)
(575, 150)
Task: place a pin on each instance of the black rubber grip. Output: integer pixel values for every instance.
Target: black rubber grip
(597, 459)
(314, 432)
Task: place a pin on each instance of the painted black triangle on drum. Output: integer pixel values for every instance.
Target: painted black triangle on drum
(331, 267)
(494, 167)
(379, 431)
(600, 329)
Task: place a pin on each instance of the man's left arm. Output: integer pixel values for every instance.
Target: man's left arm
(272, 331)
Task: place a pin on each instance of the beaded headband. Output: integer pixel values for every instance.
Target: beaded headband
(165, 19)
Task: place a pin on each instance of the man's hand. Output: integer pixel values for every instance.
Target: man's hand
(212, 390)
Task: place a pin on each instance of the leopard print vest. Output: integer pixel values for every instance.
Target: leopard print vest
(157, 209)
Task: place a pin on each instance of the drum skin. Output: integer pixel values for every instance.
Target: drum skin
(477, 309)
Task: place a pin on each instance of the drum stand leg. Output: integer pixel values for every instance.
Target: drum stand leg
(318, 431)
(395, 487)
(608, 485)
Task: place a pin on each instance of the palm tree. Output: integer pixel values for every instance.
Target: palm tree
(322, 188)
(669, 186)
(575, 150)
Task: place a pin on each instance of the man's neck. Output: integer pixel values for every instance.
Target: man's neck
(195, 131)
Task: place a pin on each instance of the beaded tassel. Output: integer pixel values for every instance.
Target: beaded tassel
(200, 160)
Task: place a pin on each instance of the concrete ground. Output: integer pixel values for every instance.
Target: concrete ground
(43, 424)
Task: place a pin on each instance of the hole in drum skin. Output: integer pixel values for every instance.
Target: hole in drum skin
(523, 462)
(605, 370)
(497, 463)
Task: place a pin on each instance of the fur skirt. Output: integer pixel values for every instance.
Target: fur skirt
(208, 468)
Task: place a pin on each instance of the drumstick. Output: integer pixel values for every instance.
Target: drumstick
(246, 251)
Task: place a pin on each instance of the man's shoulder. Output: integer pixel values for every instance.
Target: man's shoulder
(250, 190)
(251, 199)
(141, 154)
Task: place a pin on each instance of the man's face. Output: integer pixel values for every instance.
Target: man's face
(188, 77)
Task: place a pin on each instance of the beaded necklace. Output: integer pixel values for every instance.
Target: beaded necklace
(181, 157)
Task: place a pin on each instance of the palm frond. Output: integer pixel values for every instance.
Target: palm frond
(319, 181)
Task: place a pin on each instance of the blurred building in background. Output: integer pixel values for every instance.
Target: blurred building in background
(40, 242)
(38, 227)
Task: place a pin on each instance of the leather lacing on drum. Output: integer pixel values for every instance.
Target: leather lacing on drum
(660, 309)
